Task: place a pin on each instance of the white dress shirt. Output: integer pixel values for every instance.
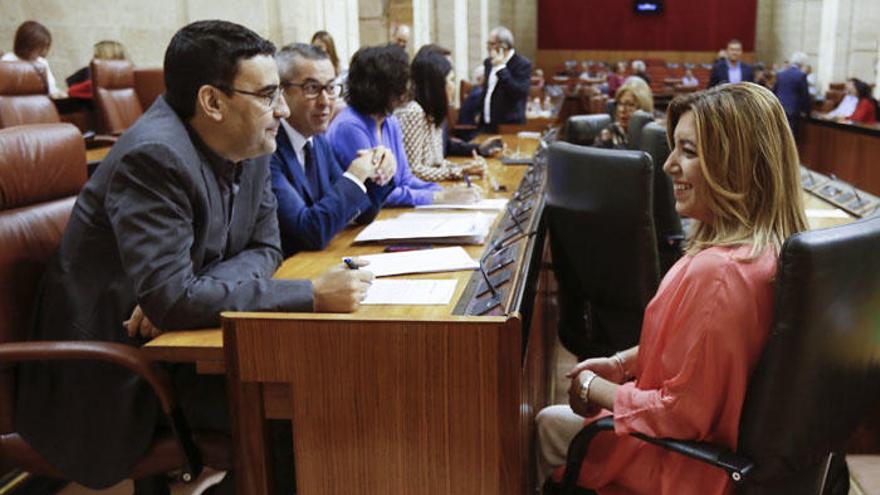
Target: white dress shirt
(298, 141)
(493, 81)
(845, 108)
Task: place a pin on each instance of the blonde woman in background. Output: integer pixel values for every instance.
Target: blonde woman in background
(324, 41)
(79, 83)
(734, 165)
(635, 94)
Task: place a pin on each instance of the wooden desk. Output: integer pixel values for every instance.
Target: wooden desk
(849, 151)
(97, 154)
(389, 399)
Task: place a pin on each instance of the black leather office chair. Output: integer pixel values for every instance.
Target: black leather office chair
(670, 234)
(637, 121)
(583, 129)
(603, 243)
(819, 373)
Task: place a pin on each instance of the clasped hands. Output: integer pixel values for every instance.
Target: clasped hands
(377, 164)
(606, 368)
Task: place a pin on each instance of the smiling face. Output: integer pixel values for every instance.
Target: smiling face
(683, 167)
(310, 116)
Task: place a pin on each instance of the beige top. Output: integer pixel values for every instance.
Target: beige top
(423, 143)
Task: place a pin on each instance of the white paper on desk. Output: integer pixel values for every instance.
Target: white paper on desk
(496, 204)
(823, 213)
(473, 226)
(410, 292)
(448, 259)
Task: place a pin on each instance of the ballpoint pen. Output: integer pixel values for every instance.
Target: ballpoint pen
(350, 263)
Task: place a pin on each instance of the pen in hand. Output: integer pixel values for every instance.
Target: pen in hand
(467, 180)
(350, 263)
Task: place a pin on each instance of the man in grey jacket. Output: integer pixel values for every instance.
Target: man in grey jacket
(177, 224)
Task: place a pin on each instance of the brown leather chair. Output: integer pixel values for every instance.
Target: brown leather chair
(115, 98)
(24, 97)
(42, 168)
(149, 83)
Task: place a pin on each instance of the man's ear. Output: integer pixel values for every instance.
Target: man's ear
(211, 103)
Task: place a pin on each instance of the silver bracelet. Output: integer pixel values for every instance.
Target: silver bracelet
(619, 359)
(584, 392)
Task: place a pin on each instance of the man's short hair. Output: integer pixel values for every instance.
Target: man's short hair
(798, 58)
(207, 52)
(289, 56)
(503, 35)
(734, 41)
(377, 79)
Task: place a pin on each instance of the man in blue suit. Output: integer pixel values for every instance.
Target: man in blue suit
(315, 198)
(731, 69)
(793, 91)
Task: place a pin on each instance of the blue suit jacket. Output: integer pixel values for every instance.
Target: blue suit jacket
(310, 219)
(792, 90)
(719, 73)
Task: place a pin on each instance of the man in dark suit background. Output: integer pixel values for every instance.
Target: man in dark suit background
(506, 88)
(177, 224)
(793, 91)
(315, 198)
(731, 70)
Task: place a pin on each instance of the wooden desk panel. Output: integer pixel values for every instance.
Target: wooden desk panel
(848, 151)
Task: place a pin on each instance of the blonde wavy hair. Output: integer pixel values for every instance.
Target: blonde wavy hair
(748, 157)
(109, 50)
(640, 90)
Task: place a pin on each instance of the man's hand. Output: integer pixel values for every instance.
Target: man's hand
(492, 146)
(385, 165)
(340, 289)
(139, 324)
(458, 195)
(362, 166)
(498, 55)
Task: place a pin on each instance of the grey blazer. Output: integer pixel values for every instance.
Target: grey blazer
(150, 228)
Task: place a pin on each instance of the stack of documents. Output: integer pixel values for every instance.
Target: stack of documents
(448, 259)
(422, 292)
(486, 204)
(448, 228)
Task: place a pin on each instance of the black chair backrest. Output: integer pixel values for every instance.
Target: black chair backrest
(599, 214)
(637, 121)
(666, 219)
(819, 374)
(583, 129)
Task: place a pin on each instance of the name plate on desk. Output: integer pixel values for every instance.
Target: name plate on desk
(840, 194)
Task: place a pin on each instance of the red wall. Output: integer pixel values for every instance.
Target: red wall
(685, 25)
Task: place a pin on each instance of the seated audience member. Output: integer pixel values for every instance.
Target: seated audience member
(735, 169)
(640, 70)
(792, 90)
(315, 198)
(324, 41)
(847, 104)
(79, 84)
(731, 69)
(506, 88)
(421, 120)
(377, 84)
(866, 109)
(176, 225)
(32, 43)
(635, 94)
(689, 81)
(616, 78)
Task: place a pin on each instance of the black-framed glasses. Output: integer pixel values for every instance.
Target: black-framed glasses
(312, 89)
(269, 98)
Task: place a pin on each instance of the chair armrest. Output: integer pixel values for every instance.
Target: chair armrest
(124, 356)
(737, 467)
(99, 140)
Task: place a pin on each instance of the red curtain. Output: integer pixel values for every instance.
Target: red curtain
(684, 25)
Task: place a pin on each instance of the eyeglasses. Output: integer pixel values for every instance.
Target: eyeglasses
(268, 98)
(312, 89)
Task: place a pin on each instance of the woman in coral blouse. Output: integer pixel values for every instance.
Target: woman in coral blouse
(734, 166)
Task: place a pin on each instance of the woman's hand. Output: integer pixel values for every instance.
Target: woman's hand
(606, 368)
(580, 406)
